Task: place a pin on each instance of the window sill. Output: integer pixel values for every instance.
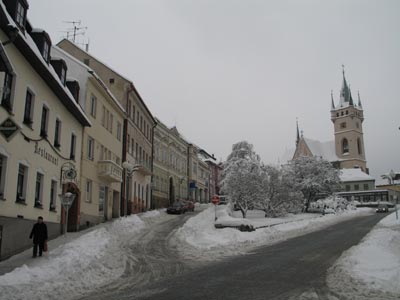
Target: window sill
(22, 202)
(28, 123)
(38, 206)
(53, 210)
(7, 109)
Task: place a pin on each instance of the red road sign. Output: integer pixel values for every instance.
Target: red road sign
(215, 200)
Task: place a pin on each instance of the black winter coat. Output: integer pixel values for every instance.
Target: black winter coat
(39, 233)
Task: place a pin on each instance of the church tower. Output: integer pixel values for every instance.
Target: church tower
(347, 118)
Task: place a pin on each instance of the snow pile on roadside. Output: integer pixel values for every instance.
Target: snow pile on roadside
(70, 270)
(371, 270)
(199, 233)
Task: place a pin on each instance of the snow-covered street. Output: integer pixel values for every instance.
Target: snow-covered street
(90, 261)
(199, 238)
(140, 250)
(371, 270)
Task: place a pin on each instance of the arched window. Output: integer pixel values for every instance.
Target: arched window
(359, 146)
(345, 146)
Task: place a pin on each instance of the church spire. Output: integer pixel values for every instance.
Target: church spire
(345, 94)
(333, 102)
(359, 100)
(298, 133)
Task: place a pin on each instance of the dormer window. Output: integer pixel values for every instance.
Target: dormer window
(43, 42)
(46, 50)
(20, 15)
(63, 75)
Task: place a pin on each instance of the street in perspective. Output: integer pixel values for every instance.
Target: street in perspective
(199, 150)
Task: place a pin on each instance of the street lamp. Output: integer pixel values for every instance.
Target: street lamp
(130, 169)
(66, 200)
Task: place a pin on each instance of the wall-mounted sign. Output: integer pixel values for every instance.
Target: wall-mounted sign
(46, 155)
(9, 128)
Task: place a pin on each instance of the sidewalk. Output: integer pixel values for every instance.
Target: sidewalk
(25, 257)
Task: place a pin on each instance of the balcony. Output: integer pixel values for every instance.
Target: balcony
(109, 170)
(143, 167)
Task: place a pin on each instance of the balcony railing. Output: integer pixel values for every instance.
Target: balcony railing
(110, 171)
(144, 166)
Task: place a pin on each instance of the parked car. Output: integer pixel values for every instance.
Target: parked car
(178, 207)
(382, 208)
(189, 206)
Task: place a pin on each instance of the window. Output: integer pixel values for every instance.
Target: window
(129, 144)
(53, 195)
(107, 119)
(357, 125)
(141, 123)
(93, 106)
(45, 53)
(43, 124)
(343, 125)
(119, 131)
(28, 112)
(88, 190)
(112, 80)
(128, 108)
(102, 198)
(21, 183)
(90, 148)
(110, 126)
(366, 187)
(20, 15)
(38, 190)
(345, 146)
(359, 146)
(57, 134)
(132, 146)
(7, 87)
(347, 112)
(3, 166)
(137, 117)
(86, 61)
(356, 187)
(73, 147)
(103, 116)
(133, 113)
(63, 75)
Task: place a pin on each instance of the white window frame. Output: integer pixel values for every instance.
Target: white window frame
(53, 198)
(89, 190)
(24, 183)
(90, 148)
(40, 200)
(57, 134)
(93, 106)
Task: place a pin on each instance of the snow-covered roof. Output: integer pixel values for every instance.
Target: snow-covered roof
(347, 175)
(75, 67)
(326, 150)
(72, 105)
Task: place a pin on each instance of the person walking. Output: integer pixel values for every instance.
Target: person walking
(39, 235)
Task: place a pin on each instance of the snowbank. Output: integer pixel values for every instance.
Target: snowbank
(70, 270)
(199, 233)
(372, 268)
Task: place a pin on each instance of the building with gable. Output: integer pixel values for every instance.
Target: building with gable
(41, 127)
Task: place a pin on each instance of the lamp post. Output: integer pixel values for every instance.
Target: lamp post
(130, 169)
(66, 200)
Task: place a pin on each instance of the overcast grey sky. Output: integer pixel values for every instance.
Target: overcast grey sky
(227, 70)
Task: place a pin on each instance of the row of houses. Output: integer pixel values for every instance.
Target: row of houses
(69, 124)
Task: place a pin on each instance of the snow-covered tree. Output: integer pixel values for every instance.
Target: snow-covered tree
(313, 176)
(280, 195)
(241, 177)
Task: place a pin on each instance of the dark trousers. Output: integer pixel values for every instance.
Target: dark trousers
(35, 248)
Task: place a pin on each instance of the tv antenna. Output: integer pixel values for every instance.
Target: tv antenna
(75, 30)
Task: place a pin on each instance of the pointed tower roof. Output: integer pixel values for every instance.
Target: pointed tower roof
(345, 93)
(298, 133)
(333, 102)
(359, 100)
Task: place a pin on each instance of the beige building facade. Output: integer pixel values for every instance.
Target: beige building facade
(137, 132)
(199, 174)
(170, 178)
(101, 170)
(41, 129)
